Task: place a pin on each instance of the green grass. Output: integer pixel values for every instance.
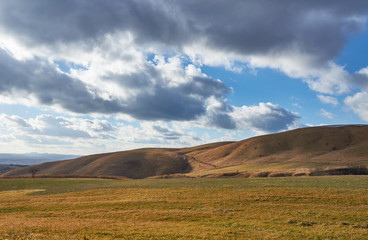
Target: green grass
(57, 185)
(333, 207)
(66, 185)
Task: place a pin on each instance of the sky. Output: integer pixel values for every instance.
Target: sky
(90, 76)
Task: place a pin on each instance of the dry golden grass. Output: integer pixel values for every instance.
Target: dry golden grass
(307, 149)
(139, 163)
(214, 209)
(316, 147)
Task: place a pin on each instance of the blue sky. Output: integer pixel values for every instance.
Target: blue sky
(89, 76)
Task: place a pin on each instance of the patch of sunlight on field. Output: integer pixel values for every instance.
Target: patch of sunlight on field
(18, 193)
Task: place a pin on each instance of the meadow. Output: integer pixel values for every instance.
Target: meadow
(329, 207)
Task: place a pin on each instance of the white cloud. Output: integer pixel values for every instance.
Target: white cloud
(303, 40)
(331, 80)
(328, 100)
(297, 105)
(59, 127)
(361, 78)
(140, 60)
(327, 114)
(163, 90)
(158, 134)
(358, 103)
(80, 135)
(265, 117)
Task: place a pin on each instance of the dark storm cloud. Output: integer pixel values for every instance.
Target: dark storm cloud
(50, 87)
(173, 103)
(53, 21)
(221, 120)
(265, 117)
(317, 28)
(278, 119)
(361, 79)
(262, 27)
(155, 99)
(165, 104)
(147, 77)
(244, 27)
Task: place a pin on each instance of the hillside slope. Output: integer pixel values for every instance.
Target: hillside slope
(306, 149)
(139, 163)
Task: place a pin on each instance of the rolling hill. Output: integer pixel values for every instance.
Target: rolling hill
(305, 151)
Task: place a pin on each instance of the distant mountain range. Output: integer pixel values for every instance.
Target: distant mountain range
(305, 151)
(32, 158)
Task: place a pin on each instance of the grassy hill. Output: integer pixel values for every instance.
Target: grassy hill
(309, 151)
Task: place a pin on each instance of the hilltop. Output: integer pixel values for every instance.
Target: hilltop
(305, 151)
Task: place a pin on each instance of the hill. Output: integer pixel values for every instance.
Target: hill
(310, 151)
(7, 167)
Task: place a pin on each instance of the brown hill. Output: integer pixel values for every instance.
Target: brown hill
(306, 150)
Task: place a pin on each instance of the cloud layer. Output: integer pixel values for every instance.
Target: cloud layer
(142, 59)
(266, 117)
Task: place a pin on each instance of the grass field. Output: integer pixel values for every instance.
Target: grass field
(333, 207)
